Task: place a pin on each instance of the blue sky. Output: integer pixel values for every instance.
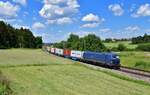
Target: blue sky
(54, 20)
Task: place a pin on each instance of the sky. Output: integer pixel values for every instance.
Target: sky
(55, 20)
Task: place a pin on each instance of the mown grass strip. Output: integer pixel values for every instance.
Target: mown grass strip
(29, 65)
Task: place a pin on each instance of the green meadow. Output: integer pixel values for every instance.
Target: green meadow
(135, 59)
(115, 44)
(34, 72)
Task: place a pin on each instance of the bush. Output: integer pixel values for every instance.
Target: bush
(113, 49)
(121, 47)
(144, 47)
(142, 65)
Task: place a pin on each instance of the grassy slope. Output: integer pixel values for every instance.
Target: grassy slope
(69, 80)
(126, 43)
(59, 78)
(28, 56)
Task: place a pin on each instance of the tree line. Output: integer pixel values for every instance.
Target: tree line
(110, 40)
(11, 37)
(90, 42)
(141, 39)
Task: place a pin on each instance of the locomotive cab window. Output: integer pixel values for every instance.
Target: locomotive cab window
(115, 56)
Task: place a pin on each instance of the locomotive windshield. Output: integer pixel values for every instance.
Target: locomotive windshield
(115, 56)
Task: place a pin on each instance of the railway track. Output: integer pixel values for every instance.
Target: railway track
(135, 71)
(127, 71)
(132, 72)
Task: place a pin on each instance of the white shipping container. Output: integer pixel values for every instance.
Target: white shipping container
(77, 54)
(52, 50)
(48, 49)
(59, 51)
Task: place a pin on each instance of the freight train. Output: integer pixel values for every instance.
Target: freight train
(104, 59)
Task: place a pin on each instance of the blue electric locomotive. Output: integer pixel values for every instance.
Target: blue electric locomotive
(107, 59)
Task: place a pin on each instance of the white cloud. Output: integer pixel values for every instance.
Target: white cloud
(90, 18)
(116, 9)
(65, 20)
(105, 30)
(60, 21)
(91, 21)
(51, 21)
(132, 28)
(143, 10)
(22, 2)
(38, 25)
(8, 10)
(19, 26)
(7, 20)
(70, 3)
(90, 25)
(58, 10)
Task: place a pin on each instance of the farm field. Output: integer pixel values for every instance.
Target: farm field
(33, 72)
(126, 43)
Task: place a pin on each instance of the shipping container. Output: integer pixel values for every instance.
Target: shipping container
(76, 54)
(48, 49)
(66, 52)
(58, 51)
(52, 50)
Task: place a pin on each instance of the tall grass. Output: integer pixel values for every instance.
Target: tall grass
(139, 60)
(142, 65)
(5, 85)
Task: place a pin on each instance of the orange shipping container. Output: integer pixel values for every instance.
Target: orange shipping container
(67, 52)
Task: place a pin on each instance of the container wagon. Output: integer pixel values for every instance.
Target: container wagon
(48, 49)
(53, 50)
(59, 51)
(66, 53)
(76, 55)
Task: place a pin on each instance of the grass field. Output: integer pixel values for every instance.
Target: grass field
(28, 56)
(59, 76)
(126, 43)
(136, 59)
(140, 60)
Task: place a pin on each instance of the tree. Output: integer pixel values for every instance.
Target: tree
(108, 40)
(73, 42)
(38, 42)
(3, 35)
(121, 47)
(17, 38)
(93, 43)
(140, 39)
(90, 42)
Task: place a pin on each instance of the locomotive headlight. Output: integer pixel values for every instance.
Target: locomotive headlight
(117, 57)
